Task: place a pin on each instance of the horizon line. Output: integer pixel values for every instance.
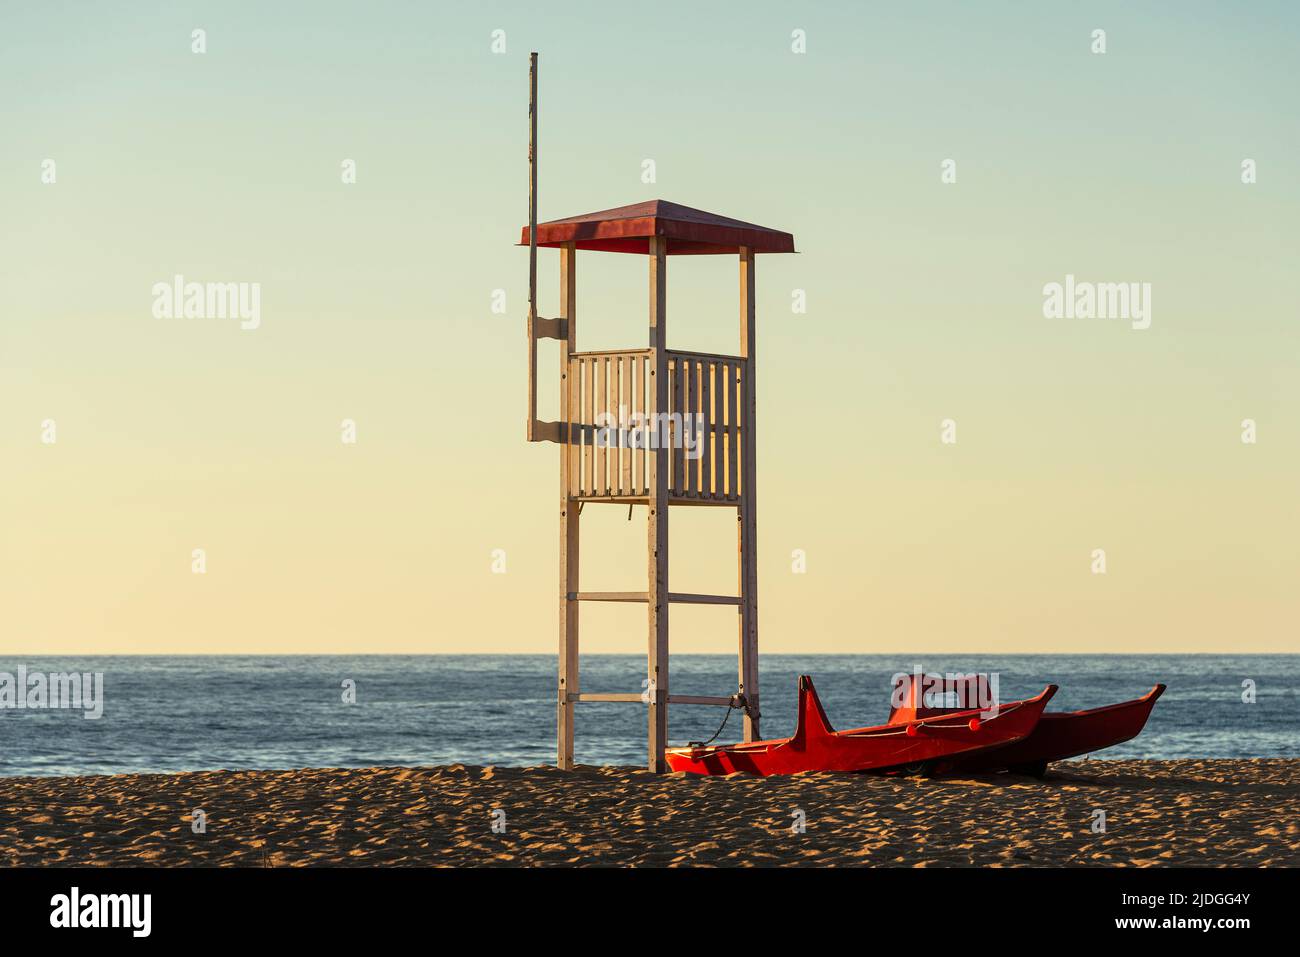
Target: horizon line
(634, 654)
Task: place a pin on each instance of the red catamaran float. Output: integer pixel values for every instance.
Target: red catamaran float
(908, 741)
(1018, 737)
(1060, 735)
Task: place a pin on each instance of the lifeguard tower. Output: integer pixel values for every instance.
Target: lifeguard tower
(652, 426)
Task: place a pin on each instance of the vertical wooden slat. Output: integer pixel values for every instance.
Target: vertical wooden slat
(647, 406)
(720, 430)
(611, 409)
(626, 364)
(679, 406)
(621, 396)
(689, 426)
(588, 394)
(679, 442)
(672, 377)
(624, 414)
(638, 412)
(733, 429)
(721, 418)
(601, 404)
(568, 658)
(706, 432)
(721, 445)
(672, 392)
(575, 427)
(657, 524)
(611, 406)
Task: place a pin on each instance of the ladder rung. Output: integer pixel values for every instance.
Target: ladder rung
(684, 598)
(637, 699)
(698, 699)
(677, 597)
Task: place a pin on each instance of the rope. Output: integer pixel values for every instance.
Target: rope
(705, 744)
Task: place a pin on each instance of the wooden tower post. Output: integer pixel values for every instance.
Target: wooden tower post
(747, 512)
(568, 516)
(657, 530)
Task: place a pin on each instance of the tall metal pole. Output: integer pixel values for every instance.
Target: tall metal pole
(532, 185)
(532, 245)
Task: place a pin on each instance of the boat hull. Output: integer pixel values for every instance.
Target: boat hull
(1061, 735)
(816, 746)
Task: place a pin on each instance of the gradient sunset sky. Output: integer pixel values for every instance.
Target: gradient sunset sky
(924, 304)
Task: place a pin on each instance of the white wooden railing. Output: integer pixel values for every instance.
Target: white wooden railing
(614, 425)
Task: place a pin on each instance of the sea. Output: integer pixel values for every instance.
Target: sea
(184, 713)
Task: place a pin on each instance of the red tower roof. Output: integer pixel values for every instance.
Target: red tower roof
(628, 229)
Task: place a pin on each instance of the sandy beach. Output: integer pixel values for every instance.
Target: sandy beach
(1158, 813)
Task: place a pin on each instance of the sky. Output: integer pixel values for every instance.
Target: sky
(436, 530)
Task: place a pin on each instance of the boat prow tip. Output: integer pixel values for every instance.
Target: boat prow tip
(811, 720)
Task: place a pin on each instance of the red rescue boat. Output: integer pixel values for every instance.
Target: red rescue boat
(1060, 735)
(910, 742)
